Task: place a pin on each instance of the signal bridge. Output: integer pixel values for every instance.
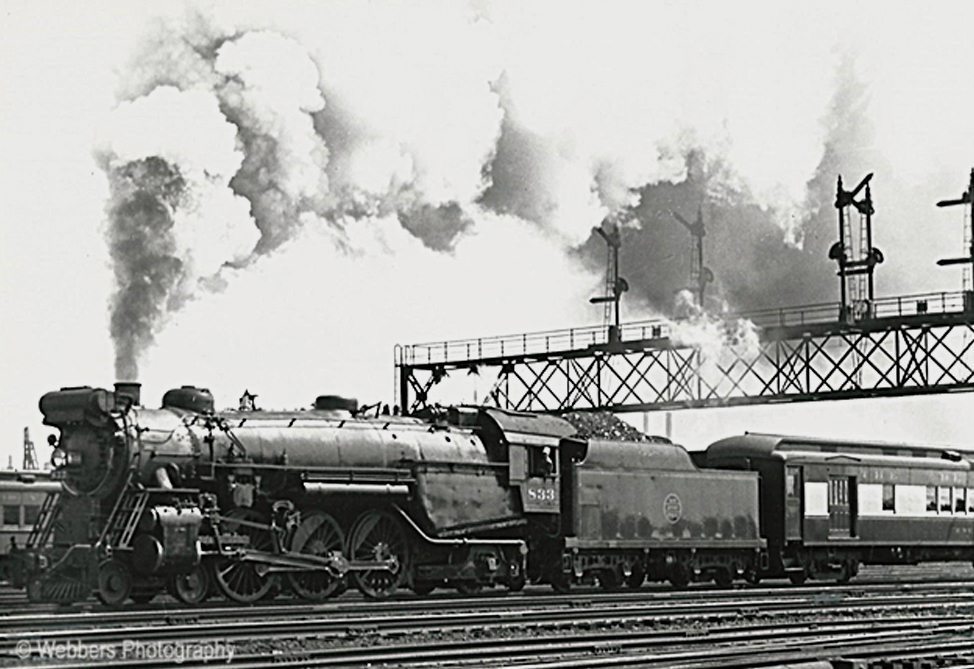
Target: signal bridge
(858, 347)
(908, 345)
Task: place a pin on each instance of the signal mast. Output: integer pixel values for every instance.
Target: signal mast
(968, 261)
(700, 275)
(615, 285)
(856, 262)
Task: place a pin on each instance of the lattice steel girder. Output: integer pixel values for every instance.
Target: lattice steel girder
(888, 357)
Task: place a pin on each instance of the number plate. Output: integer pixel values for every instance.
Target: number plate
(541, 495)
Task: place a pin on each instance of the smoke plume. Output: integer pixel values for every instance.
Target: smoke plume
(484, 114)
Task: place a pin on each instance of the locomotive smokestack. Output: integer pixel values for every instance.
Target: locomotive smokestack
(130, 389)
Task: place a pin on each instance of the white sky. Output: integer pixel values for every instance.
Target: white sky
(604, 84)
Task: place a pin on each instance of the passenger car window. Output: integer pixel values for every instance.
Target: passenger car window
(960, 500)
(945, 499)
(31, 512)
(11, 514)
(889, 497)
(931, 498)
(792, 482)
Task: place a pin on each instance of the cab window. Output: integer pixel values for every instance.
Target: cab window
(541, 461)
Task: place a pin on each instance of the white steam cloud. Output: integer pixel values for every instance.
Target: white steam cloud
(440, 161)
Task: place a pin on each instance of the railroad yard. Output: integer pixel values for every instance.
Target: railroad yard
(887, 617)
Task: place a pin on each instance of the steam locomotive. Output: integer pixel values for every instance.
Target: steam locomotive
(249, 503)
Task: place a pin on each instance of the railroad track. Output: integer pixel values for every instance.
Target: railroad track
(746, 646)
(492, 629)
(627, 602)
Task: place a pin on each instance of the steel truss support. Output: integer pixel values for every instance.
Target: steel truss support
(910, 355)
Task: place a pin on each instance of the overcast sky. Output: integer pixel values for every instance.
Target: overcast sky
(352, 175)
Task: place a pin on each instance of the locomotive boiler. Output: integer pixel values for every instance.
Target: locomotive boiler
(250, 502)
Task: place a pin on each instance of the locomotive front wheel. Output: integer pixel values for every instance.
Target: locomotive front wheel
(193, 587)
(378, 536)
(318, 534)
(114, 583)
(243, 581)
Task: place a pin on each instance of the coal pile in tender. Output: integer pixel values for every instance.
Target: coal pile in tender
(604, 425)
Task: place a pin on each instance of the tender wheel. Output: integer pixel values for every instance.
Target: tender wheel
(849, 569)
(114, 583)
(723, 577)
(680, 577)
(318, 534)
(609, 580)
(378, 535)
(797, 577)
(244, 581)
(636, 578)
(193, 587)
(752, 576)
(561, 583)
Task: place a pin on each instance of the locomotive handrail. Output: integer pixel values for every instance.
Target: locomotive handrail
(395, 473)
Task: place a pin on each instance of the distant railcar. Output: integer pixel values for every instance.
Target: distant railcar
(22, 496)
(828, 506)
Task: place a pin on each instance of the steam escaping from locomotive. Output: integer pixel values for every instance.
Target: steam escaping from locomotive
(439, 148)
(145, 194)
(206, 178)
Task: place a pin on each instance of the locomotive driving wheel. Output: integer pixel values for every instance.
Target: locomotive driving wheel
(242, 581)
(114, 582)
(318, 534)
(379, 536)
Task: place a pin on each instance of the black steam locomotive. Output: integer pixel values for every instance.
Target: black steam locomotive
(249, 503)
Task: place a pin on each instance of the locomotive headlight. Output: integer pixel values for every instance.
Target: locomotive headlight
(74, 458)
(58, 458)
